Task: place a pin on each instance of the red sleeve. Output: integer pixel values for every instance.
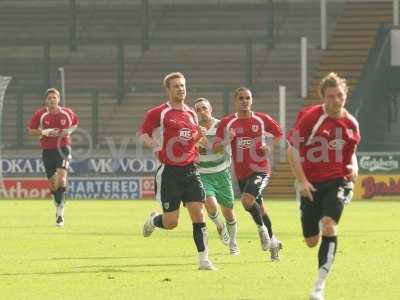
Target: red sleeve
(35, 121)
(301, 130)
(74, 116)
(220, 133)
(271, 126)
(151, 121)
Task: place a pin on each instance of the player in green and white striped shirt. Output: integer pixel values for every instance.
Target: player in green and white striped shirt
(216, 177)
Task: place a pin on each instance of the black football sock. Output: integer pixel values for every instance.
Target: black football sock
(326, 253)
(267, 223)
(255, 212)
(200, 236)
(157, 221)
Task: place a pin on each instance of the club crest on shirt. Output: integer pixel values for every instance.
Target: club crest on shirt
(185, 133)
(254, 128)
(63, 121)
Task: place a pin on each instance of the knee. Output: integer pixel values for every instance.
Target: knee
(53, 185)
(328, 226)
(311, 242)
(62, 181)
(247, 202)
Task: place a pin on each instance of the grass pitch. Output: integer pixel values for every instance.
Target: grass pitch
(101, 254)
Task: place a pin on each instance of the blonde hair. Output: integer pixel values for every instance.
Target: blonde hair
(331, 80)
(171, 76)
(52, 91)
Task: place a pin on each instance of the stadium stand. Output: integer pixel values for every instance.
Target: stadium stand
(347, 54)
(209, 43)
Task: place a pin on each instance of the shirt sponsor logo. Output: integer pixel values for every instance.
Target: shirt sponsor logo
(185, 133)
(245, 142)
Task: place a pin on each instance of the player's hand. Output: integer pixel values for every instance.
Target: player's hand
(154, 146)
(305, 189)
(231, 134)
(353, 173)
(63, 133)
(50, 132)
(263, 149)
(202, 130)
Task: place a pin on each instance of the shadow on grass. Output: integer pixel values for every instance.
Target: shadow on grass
(184, 267)
(131, 257)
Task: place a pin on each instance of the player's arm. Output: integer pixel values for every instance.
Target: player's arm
(35, 130)
(274, 130)
(74, 123)
(223, 138)
(150, 123)
(353, 168)
(303, 186)
(296, 138)
(149, 142)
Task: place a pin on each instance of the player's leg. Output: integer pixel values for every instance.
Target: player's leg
(264, 215)
(168, 194)
(194, 198)
(214, 214)
(226, 198)
(200, 235)
(59, 195)
(212, 207)
(50, 165)
(332, 205)
(276, 245)
(231, 225)
(63, 159)
(250, 189)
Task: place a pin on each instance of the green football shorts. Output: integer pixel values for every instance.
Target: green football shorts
(219, 185)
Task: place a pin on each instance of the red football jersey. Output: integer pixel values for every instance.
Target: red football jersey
(178, 130)
(63, 119)
(326, 145)
(250, 133)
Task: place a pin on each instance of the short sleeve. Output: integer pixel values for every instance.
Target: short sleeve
(151, 122)
(35, 120)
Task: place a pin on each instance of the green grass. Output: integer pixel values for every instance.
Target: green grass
(100, 254)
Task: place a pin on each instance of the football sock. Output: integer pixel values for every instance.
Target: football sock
(59, 196)
(200, 237)
(267, 223)
(157, 221)
(326, 257)
(255, 212)
(217, 220)
(232, 229)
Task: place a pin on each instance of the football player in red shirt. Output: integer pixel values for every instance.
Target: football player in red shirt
(246, 132)
(321, 152)
(54, 125)
(171, 130)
